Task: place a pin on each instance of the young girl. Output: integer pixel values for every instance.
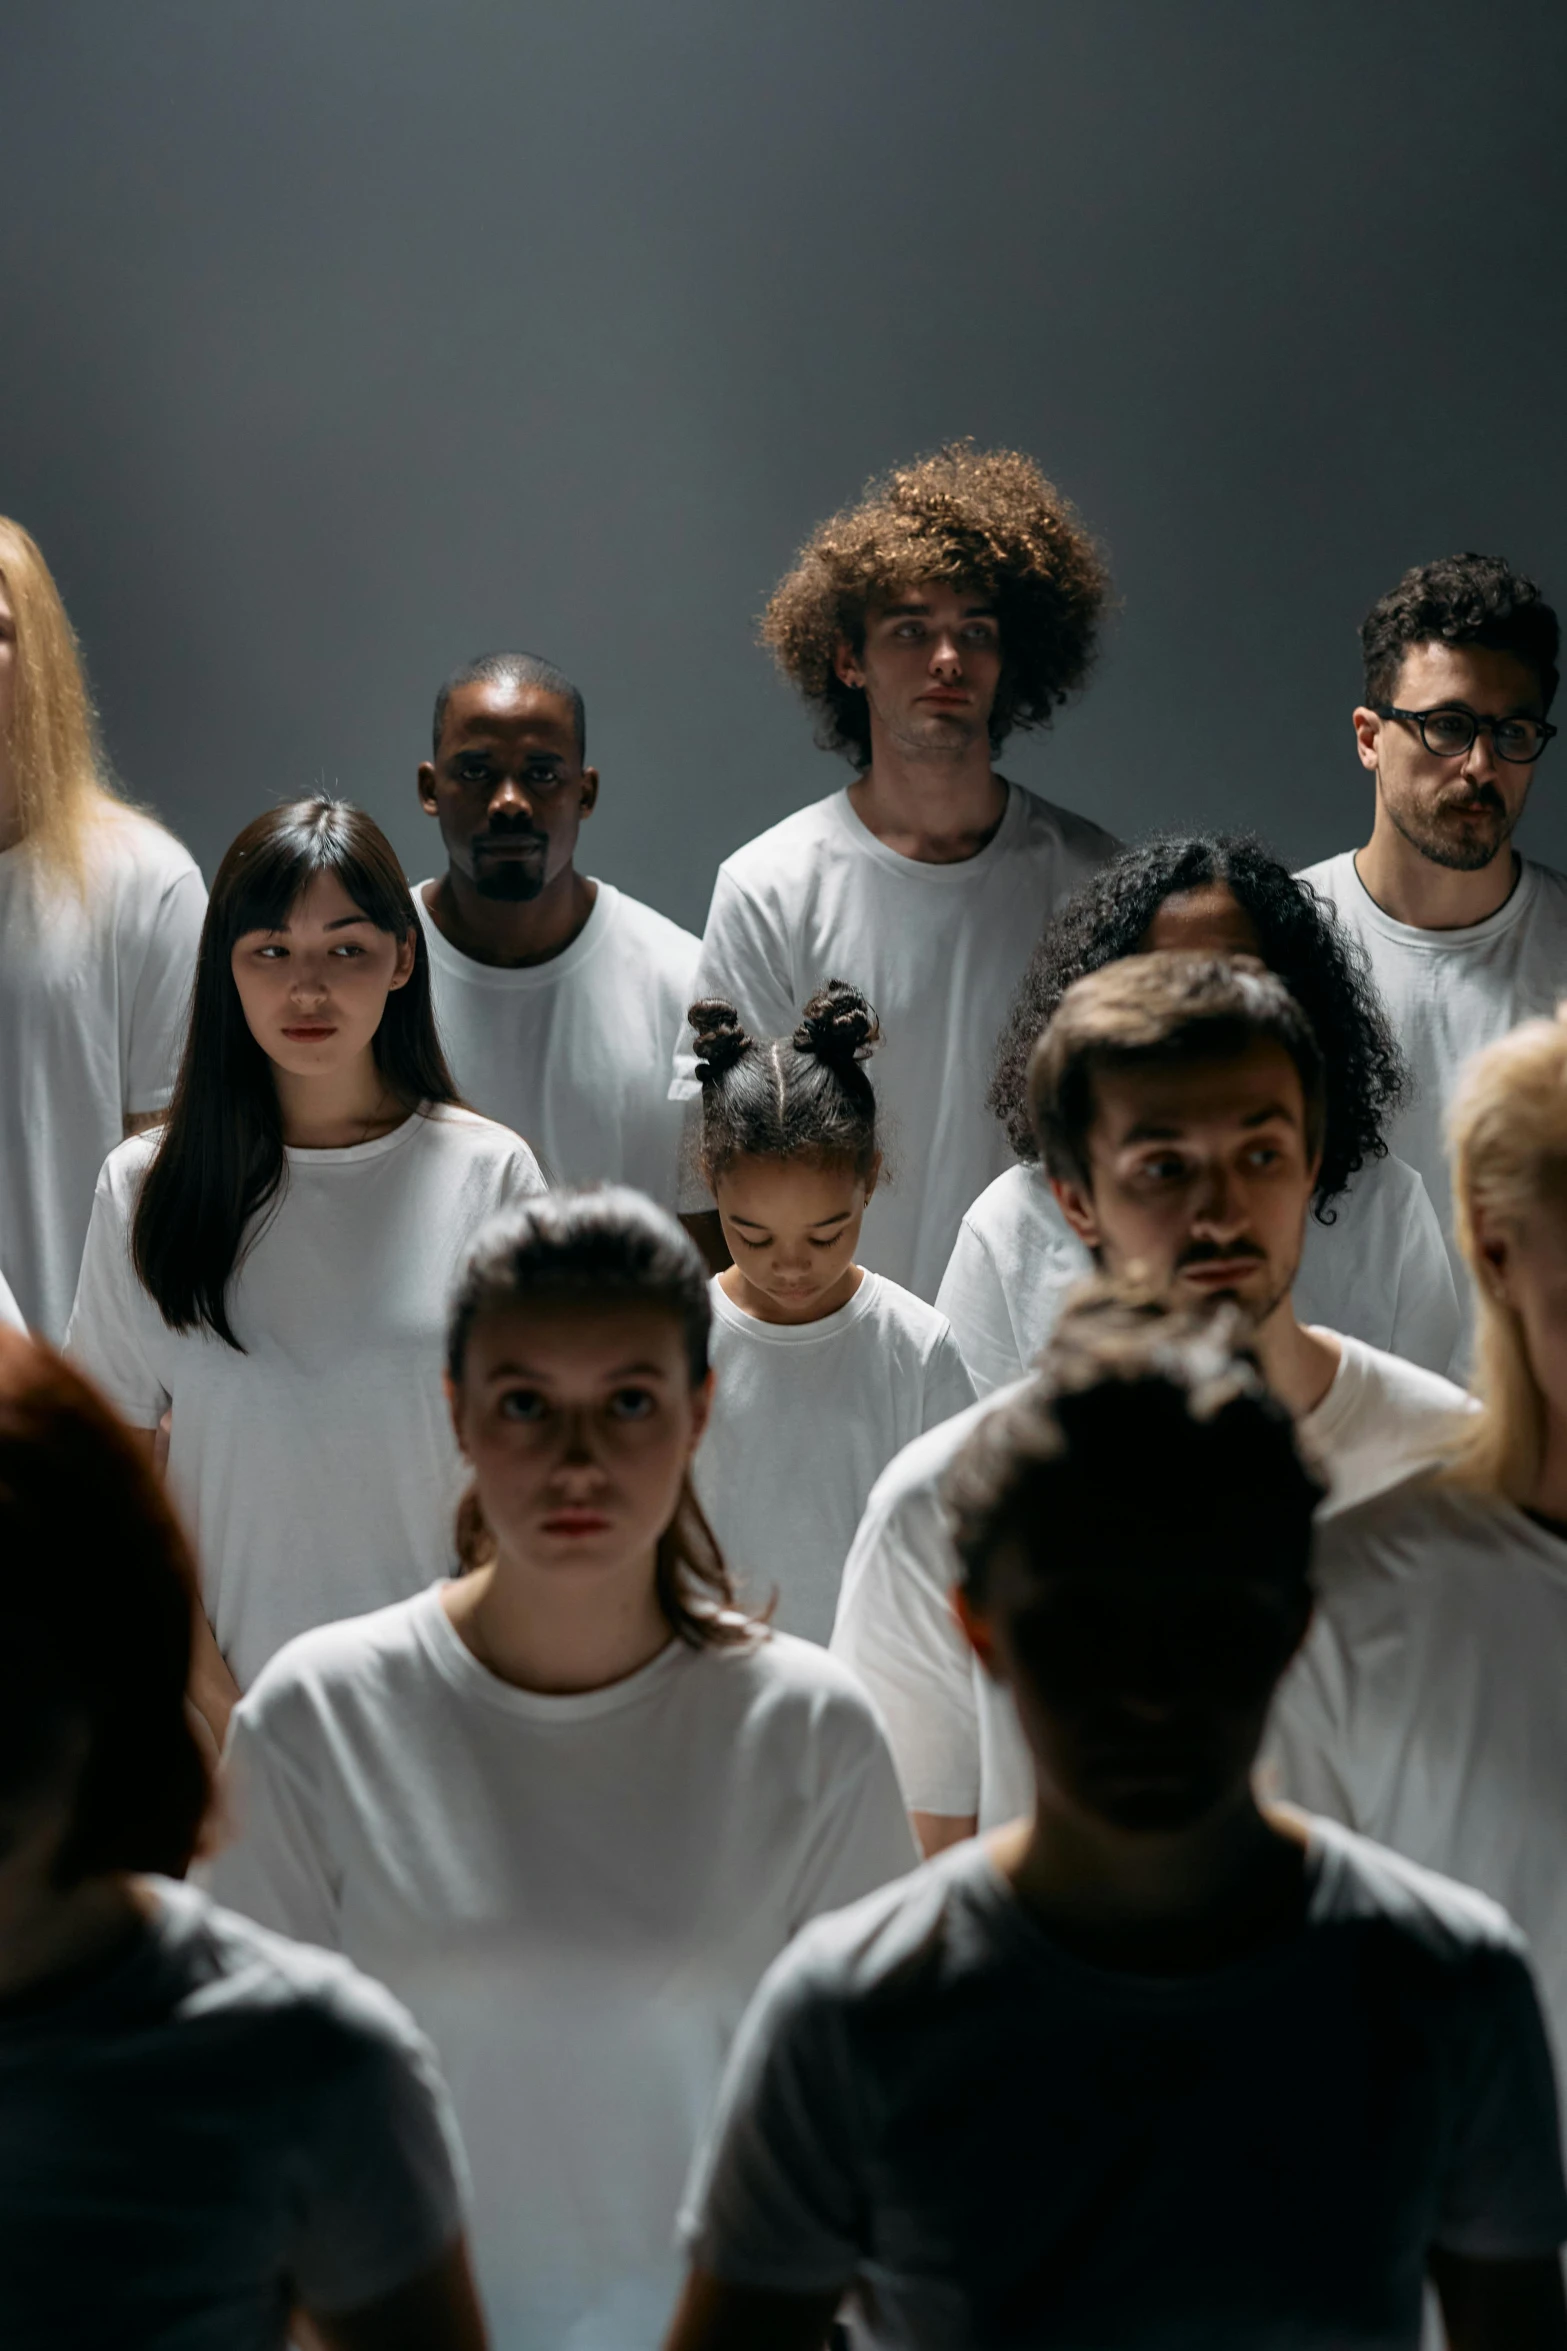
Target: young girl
(571, 1805)
(823, 1371)
(275, 1262)
(201, 2126)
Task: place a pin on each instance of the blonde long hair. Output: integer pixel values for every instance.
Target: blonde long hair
(57, 764)
(1507, 1131)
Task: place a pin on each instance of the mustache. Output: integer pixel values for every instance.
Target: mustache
(1484, 796)
(1211, 1252)
(513, 837)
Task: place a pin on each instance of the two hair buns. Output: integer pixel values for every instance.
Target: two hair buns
(837, 1026)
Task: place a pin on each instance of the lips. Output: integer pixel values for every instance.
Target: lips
(576, 1522)
(314, 1034)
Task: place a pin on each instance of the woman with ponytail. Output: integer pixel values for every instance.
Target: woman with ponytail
(571, 1804)
(823, 1370)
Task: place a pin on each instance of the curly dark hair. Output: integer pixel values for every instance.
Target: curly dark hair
(1298, 936)
(985, 520)
(1460, 600)
(804, 1096)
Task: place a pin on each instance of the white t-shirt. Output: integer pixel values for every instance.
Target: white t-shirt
(93, 995)
(1006, 2145)
(1426, 1708)
(575, 1895)
(1379, 1272)
(938, 949)
(1449, 994)
(574, 1053)
(218, 2124)
(317, 1471)
(11, 1314)
(954, 1731)
(806, 1416)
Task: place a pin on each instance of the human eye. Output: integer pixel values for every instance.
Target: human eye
(1518, 738)
(524, 1404)
(633, 1404)
(270, 950)
(472, 771)
(1448, 730)
(829, 1241)
(348, 947)
(980, 631)
(755, 1240)
(544, 776)
(909, 628)
(1264, 1155)
(1164, 1167)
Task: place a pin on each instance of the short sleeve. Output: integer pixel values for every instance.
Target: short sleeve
(524, 1179)
(116, 1334)
(862, 1838)
(1504, 2197)
(1427, 1322)
(276, 1866)
(974, 1301)
(774, 2200)
(1305, 1749)
(896, 1631)
(382, 2183)
(161, 1001)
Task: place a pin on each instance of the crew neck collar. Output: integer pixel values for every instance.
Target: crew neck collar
(795, 1334)
(944, 877)
(304, 1155)
(458, 1665)
(519, 978)
(1442, 942)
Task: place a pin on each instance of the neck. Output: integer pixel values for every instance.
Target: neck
(1431, 897)
(1165, 1903)
(555, 1633)
(937, 810)
(1297, 1364)
(47, 1932)
(510, 932)
(343, 1107)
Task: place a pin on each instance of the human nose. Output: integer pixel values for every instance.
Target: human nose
(511, 801)
(579, 1467)
(946, 655)
(307, 983)
(1219, 1203)
(1480, 758)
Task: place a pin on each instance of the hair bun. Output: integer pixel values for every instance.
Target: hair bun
(720, 1040)
(838, 1026)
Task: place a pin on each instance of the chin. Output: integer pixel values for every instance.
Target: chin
(511, 882)
(1154, 1807)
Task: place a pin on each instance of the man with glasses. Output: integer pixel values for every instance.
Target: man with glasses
(1466, 938)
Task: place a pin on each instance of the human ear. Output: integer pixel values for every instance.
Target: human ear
(846, 664)
(427, 787)
(1368, 733)
(403, 969)
(701, 1412)
(588, 791)
(1494, 1248)
(454, 1407)
(1076, 1203)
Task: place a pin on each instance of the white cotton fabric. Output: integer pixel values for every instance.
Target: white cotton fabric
(576, 1897)
(574, 1053)
(1004, 2145)
(11, 1315)
(939, 951)
(806, 1416)
(954, 1731)
(1426, 1708)
(317, 1471)
(93, 998)
(1448, 995)
(219, 2124)
(1379, 1272)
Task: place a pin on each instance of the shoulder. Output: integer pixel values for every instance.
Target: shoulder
(787, 849)
(1407, 1389)
(138, 845)
(120, 1179)
(232, 1967)
(787, 1688)
(913, 1477)
(1368, 1883)
(1411, 1533)
(650, 932)
(1048, 827)
(1550, 892)
(466, 1135)
(1019, 1201)
(1330, 876)
(921, 1928)
(320, 1668)
(899, 1313)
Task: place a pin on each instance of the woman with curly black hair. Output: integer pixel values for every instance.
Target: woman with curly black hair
(957, 602)
(1373, 1263)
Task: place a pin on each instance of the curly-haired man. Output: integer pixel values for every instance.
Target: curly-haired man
(958, 601)
(1466, 938)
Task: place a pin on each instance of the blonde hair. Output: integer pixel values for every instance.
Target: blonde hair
(57, 764)
(1507, 1132)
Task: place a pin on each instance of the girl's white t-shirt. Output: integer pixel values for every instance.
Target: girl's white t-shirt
(316, 1471)
(574, 1895)
(574, 1053)
(806, 1416)
(93, 997)
(938, 949)
(1426, 1707)
(11, 1316)
(954, 1731)
(1379, 1272)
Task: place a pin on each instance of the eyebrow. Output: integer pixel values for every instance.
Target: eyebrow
(906, 611)
(275, 930)
(623, 1371)
(1148, 1130)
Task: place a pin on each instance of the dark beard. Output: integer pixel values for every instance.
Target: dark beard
(1459, 852)
(508, 879)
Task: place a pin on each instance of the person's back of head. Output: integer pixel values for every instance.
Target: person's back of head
(97, 1594)
(52, 766)
(1134, 1531)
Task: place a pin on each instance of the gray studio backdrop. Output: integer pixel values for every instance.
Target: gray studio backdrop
(344, 338)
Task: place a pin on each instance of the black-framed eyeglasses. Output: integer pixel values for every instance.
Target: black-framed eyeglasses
(1449, 733)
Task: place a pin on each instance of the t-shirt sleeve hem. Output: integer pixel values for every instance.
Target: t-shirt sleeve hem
(793, 2276)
